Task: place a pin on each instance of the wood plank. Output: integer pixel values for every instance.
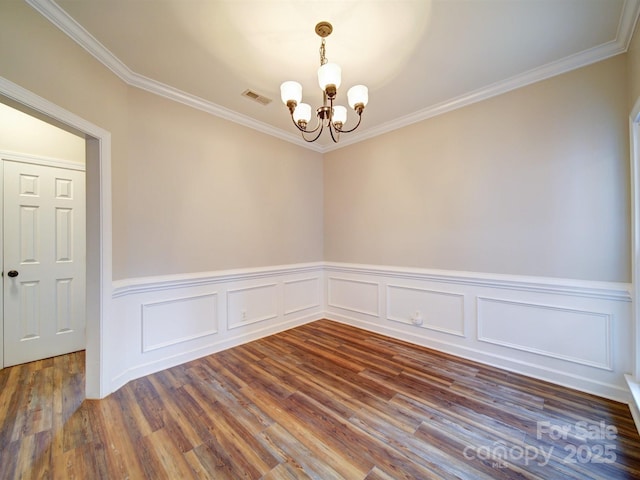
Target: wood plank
(321, 401)
(209, 463)
(171, 463)
(308, 438)
(298, 460)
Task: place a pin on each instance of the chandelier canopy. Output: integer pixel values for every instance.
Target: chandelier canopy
(327, 116)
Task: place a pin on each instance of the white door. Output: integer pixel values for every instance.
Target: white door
(44, 261)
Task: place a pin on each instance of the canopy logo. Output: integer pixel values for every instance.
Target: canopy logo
(582, 442)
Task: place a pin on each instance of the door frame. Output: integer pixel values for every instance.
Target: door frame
(98, 225)
(634, 135)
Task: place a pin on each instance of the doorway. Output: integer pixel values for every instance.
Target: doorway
(98, 238)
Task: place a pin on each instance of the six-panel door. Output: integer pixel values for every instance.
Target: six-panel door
(44, 261)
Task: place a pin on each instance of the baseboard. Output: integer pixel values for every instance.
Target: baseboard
(160, 322)
(157, 365)
(558, 377)
(569, 332)
(634, 401)
(499, 320)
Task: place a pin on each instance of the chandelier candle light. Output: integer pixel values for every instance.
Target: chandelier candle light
(328, 115)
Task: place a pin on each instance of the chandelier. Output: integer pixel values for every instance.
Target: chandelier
(328, 116)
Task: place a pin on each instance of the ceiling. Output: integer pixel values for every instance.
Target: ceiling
(419, 58)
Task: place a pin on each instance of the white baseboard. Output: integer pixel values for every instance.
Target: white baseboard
(634, 401)
(160, 322)
(142, 369)
(568, 332)
(508, 363)
(573, 333)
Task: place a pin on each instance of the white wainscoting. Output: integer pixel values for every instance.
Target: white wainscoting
(302, 294)
(354, 295)
(252, 304)
(574, 333)
(178, 320)
(433, 309)
(164, 321)
(526, 326)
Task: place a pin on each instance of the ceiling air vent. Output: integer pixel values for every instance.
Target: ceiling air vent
(261, 99)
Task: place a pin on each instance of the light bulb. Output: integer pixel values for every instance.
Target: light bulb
(302, 113)
(291, 91)
(358, 95)
(329, 74)
(339, 114)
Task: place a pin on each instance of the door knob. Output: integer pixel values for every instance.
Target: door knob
(12, 273)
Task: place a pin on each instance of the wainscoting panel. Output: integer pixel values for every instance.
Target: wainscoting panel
(431, 309)
(570, 332)
(354, 295)
(302, 294)
(579, 336)
(178, 320)
(252, 304)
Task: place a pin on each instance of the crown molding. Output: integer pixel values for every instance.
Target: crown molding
(627, 24)
(56, 15)
(61, 19)
(626, 27)
(549, 70)
(207, 106)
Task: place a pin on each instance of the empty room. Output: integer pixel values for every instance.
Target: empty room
(434, 278)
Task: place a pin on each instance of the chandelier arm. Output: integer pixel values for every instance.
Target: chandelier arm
(339, 130)
(321, 126)
(335, 138)
(304, 130)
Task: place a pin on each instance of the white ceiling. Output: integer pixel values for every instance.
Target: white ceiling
(419, 58)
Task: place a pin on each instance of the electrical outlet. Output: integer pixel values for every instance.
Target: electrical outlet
(244, 314)
(416, 318)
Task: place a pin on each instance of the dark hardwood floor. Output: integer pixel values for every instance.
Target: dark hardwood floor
(320, 401)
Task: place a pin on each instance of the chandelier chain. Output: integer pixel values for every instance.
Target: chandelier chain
(323, 58)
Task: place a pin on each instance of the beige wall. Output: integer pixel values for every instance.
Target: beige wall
(207, 194)
(532, 182)
(22, 133)
(191, 192)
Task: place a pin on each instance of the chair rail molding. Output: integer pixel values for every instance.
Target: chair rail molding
(473, 315)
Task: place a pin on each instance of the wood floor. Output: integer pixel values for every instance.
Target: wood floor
(323, 401)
